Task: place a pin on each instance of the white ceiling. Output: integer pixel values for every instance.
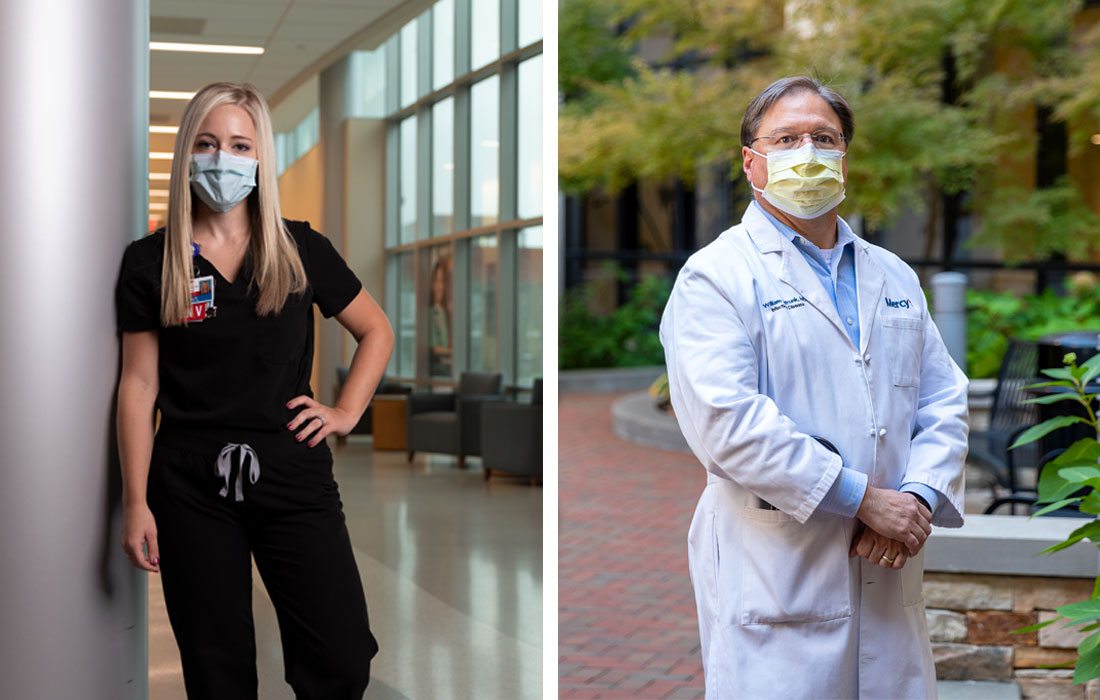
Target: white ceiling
(300, 38)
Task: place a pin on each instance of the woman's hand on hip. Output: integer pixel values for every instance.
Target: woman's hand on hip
(139, 537)
(318, 420)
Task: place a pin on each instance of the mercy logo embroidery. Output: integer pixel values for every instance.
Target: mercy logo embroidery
(899, 303)
(777, 304)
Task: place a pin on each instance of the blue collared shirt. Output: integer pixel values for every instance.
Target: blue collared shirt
(836, 270)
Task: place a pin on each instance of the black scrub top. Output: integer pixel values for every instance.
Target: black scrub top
(233, 369)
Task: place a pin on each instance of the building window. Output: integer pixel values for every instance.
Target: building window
(530, 21)
(291, 146)
(484, 264)
(443, 40)
(368, 84)
(443, 166)
(529, 305)
(407, 191)
(409, 91)
(484, 32)
(529, 139)
(406, 316)
(464, 266)
(485, 152)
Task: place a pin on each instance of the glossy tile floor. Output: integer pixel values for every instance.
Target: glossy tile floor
(452, 569)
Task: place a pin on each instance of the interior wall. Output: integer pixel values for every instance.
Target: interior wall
(300, 190)
(301, 196)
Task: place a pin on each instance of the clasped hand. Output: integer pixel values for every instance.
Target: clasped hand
(892, 526)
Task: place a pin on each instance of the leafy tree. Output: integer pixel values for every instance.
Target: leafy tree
(594, 55)
(944, 93)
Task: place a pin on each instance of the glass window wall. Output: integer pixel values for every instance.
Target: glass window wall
(484, 267)
(485, 152)
(407, 192)
(443, 166)
(484, 32)
(406, 316)
(530, 21)
(454, 265)
(443, 38)
(408, 64)
(529, 305)
(529, 139)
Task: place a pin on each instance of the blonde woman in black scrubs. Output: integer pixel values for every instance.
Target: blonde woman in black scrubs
(216, 316)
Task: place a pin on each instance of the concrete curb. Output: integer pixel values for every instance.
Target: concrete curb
(637, 419)
(608, 380)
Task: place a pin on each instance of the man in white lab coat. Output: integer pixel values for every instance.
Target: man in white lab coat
(806, 554)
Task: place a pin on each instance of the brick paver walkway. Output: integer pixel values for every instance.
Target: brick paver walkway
(626, 611)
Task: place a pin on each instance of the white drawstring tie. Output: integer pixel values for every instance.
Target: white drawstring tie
(249, 461)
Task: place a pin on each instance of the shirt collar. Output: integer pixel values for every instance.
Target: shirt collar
(844, 234)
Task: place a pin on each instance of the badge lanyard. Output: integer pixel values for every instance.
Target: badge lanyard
(202, 291)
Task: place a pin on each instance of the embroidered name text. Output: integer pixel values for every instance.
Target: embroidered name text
(777, 304)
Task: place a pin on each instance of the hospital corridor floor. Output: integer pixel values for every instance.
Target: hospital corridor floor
(452, 569)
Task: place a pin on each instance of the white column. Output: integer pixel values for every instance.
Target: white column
(333, 101)
(74, 76)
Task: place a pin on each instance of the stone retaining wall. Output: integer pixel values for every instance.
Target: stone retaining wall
(987, 578)
(971, 618)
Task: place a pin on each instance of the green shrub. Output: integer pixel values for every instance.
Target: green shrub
(627, 337)
(994, 317)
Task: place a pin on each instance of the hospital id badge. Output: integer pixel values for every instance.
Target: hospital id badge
(202, 299)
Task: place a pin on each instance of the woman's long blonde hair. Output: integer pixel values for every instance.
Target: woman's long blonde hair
(277, 267)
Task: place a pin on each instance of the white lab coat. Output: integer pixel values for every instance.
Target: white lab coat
(758, 362)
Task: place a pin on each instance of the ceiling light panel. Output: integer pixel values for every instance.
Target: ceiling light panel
(170, 95)
(181, 47)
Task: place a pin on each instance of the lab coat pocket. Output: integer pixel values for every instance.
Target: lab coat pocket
(912, 576)
(792, 572)
(903, 339)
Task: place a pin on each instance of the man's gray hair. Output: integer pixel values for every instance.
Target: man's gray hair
(760, 104)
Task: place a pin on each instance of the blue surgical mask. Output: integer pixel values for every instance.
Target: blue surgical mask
(221, 179)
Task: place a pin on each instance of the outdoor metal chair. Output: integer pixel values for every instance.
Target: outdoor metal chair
(1009, 417)
(1029, 500)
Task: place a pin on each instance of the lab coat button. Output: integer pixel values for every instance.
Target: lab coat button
(882, 432)
(867, 357)
(872, 433)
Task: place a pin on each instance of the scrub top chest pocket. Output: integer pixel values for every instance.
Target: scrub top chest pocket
(280, 339)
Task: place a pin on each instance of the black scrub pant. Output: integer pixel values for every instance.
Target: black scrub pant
(291, 520)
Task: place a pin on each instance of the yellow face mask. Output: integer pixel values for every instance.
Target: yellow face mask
(803, 182)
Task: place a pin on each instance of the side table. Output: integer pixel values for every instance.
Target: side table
(389, 421)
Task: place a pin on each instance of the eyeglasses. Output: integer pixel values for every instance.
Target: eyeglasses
(825, 139)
